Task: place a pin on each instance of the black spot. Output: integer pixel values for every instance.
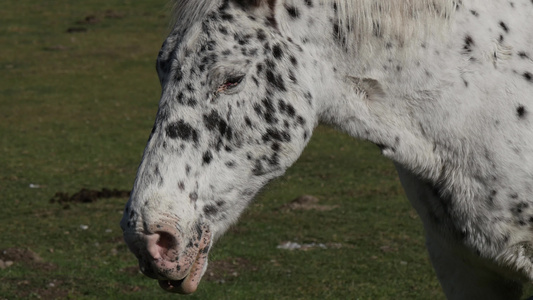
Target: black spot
(270, 111)
(178, 75)
(191, 102)
(274, 159)
(521, 111)
(255, 81)
(528, 76)
(248, 122)
(475, 13)
(182, 131)
(210, 210)
(267, 103)
(308, 96)
(277, 51)
(207, 157)
(491, 196)
(181, 185)
(180, 98)
(292, 77)
(276, 81)
(293, 60)
(504, 26)
(273, 134)
(309, 3)
(258, 168)
(261, 35)
(282, 105)
(468, 44)
(523, 55)
(226, 17)
(259, 69)
(292, 11)
(336, 30)
(241, 40)
(213, 121)
(257, 109)
(376, 31)
(290, 110)
(270, 64)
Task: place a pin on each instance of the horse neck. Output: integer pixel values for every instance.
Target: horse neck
(380, 91)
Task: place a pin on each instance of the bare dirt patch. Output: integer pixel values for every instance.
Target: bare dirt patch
(76, 29)
(91, 19)
(306, 202)
(94, 19)
(30, 288)
(12, 256)
(226, 270)
(87, 196)
(131, 270)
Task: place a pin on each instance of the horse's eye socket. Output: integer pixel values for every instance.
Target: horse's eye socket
(230, 82)
(234, 80)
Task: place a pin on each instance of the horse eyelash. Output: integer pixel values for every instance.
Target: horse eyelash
(230, 82)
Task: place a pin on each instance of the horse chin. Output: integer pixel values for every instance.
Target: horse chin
(189, 284)
(184, 286)
(176, 286)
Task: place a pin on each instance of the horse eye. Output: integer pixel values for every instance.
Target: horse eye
(229, 83)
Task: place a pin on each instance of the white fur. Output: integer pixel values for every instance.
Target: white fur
(443, 86)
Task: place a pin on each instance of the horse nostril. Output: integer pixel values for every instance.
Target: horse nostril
(162, 244)
(166, 241)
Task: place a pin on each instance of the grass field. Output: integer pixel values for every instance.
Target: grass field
(78, 95)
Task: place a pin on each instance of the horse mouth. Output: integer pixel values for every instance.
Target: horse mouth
(189, 284)
(174, 286)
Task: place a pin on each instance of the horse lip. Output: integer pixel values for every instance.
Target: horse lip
(173, 286)
(190, 282)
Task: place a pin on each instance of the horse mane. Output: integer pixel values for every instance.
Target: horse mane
(358, 20)
(187, 11)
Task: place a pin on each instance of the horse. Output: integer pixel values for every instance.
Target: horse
(443, 87)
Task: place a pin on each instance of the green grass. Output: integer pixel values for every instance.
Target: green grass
(75, 112)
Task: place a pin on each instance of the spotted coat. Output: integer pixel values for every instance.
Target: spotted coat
(444, 88)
